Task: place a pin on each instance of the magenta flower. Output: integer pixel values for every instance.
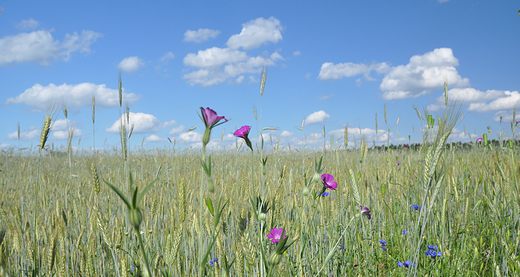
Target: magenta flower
(366, 211)
(479, 139)
(210, 117)
(328, 181)
(243, 132)
(276, 235)
(398, 163)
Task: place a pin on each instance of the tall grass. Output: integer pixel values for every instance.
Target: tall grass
(170, 224)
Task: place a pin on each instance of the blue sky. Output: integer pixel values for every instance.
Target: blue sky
(332, 63)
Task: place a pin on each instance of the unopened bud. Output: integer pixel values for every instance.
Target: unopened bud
(262, 216)
(317, 178)
(275, 259)
(305, 191)
(135, 217)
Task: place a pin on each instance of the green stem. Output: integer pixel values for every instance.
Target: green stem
(201, 208)
(144, 252)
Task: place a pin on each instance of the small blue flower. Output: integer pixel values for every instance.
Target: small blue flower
(405, 232)
(415, 207)
(405, 264)
(383, 242)
(383, 248)
(432, 247)
(325, 194)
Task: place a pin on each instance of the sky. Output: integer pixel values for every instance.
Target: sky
(330, 65)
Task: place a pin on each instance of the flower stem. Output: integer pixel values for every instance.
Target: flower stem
(144, 252)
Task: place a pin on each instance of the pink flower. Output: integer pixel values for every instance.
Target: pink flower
(328, 181)
(242, 132)
(210, 117)
(479, 139)
(276, 235)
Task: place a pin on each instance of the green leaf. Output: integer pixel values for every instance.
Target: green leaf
(134, 197)
(123, 197)
(209, 204)
(149, 186)
(219, 212)
(205, 260)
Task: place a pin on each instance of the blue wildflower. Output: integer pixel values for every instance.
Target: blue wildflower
(383, 242)
(325, 194)
(383, 248)
(405, 232)
(415, 207)
(405, 264)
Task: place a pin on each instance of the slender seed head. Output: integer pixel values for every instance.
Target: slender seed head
(45, 132)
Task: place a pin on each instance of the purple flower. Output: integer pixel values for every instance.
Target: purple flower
(366, 212)
(243, 132)
(405, 264)
(276, 235)
(398, 163)
(210, 117)
(406, 144)
(328, 181)
(479, 139)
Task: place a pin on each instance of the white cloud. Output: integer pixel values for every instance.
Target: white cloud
(200, 35)
(255, 33)
(167, 56)
(240, 79)
(131, 64)
(60, 124)
(235, 63)
(72, 96)
(216, 65)
(176, 130)
(4, 145)
(215, 56)
(296, 53)
(143, 123)
(29, 134)
(480, 101)
(40, 47)
(191, 137)
(307, 75)
(154, 138)
(316, 117)
(424, 74)
(442, 1)
(331, 71)
(28, 24)
(59, 135)
(286, 134)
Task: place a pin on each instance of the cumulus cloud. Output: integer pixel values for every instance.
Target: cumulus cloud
(190, 137)
(176, 130)
(154, 138)
(296, 53)
(72, 96)
(143, 123)
(216, 65)
(131, 64)
(200, 35)
(61, 135)
(422, 75)
(39, 47)
(28, 134)
(480, 101)
(240, 79)
(331, 71)
(255, 33)
(167, 56)
(28, 24)
(316, 117)
(286, 133)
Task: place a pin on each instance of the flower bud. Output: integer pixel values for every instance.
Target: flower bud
(262, 216)
(305, 191)
(275, 259)
(135, 217)
(316, 178)
(211, 185)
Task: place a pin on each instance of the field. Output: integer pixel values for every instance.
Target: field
(79, 226)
